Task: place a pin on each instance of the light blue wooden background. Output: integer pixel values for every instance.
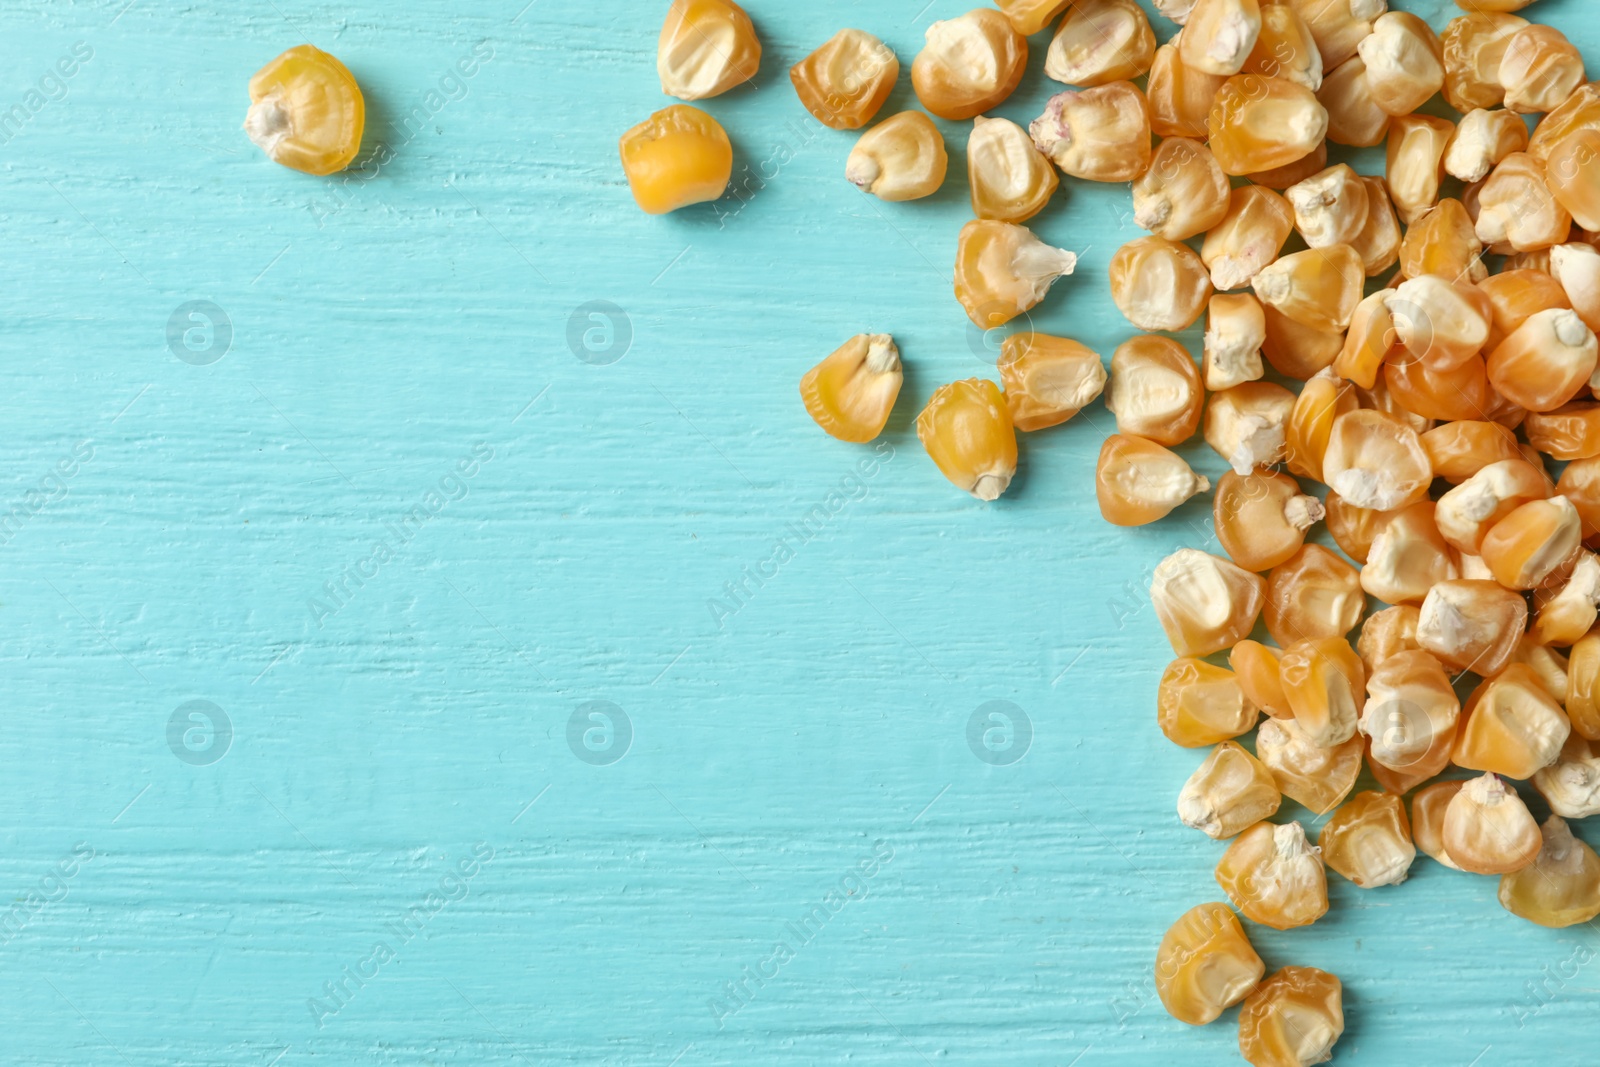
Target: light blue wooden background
(180, 912)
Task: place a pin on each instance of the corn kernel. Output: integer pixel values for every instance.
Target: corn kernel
(1488, 830)
(1376, 461)
(1286, 49)
(1293, 1019)
(1031, 16)
(1515, 296)
(967, 432)
(1583, 687)
(1354, 117)
(1576, 268)
(1176, 10)
(1317, 778)
(1573, 174)
(851, 393)
(1546, 361)
(1540, 69)
(1458, 450)
(1159, 284)
(1415, 163)
(1248, 238)
(1581, 111)
(1236, 328)
(1228, 793)
(1101, 41)
(1381, 398)
(1259, 123)
(1378, 243)
(1324, 398)
(1280, 178)
(1330, 208)
(1296, 350)
(1198, 705)
(901, 158)
(969, 64)
(1155, 390)
(1003, 270)
(707, 47)
(1368, 840)
(1511, 725)
(1580, 483)
(1571, 785)
(1220, 35)
(1427, 819)
(1411, 711)
(1324, 682)
(1460, 392)
(1399, 783)
(1515, 206)
(1561, 887)
(1468, 512)
(306, 111)
(1408, 558)
(677, 157)
(1571, 612)
(1472, 625)
(1367, 343)
(1101, 134)
(1273, 875)
(1183, 193)
(1011, 180)
(1138, 482)
(1247, 425)
(846, 81)
(1048, 379)
(1179, 97)
(1262, 518)
(1205, 604)
(1338, 26)
(1255, 668)
(1205, 965)
(1550, 666)
(1441, 241)
(1528, 545)
(1481, 141)
(1318, 288)
(1473, 46)
(1405, 63)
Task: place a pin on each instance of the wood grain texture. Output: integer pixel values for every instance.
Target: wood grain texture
(382, 329)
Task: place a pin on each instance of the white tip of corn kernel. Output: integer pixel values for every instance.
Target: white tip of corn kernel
(1368, 9)
(862, 171)
(1569, 328)
(1233, 40)
(1176, 10)
(1368, 489)
(882, 355)
(990, 486)
(1260, 442)
(1304, 512)
(267, 124)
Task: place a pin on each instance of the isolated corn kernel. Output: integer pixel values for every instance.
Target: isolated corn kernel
(1159, 284)
(1411, 710)
(1011, 180)
(1231, 791)
(1376, 461)
(1330, 207)
(1540, 69)
(1415, 163)
(1139, 482)
(1472, 625)
(846, 81)
(1179, 97)
(677, 157)
(1003, 270)
(1205, 965)
(1259, 123)
(1571, 785)
(1325, 684)
(851, 393)
(1488, 830)
(1155, 390)
(1387, 633)
(1296, 1016)
(1354, 117)
(901, 158)
(1220, 35)
(1516, 207)
(967, 432)
(1319, 287)
(1248, 238)
(1048, 379)
(1031, 16)
(1261, 518)
(1511, 725)
(1314, 776)
(1101, 134)
(1576, 268)
(706, 48)
(1101, 41)
(1378, 243)
(1408, 557)
(1325, 397)
(306, 111)
(1473, 46)
(1580, 111)
(1573, 174)
(1526, 547)
(969, 64)
(1442, 241)
(1428, 806)
(1205, 604)
(1273, 875)
(1368, 840)
(1236, 328)
(1546, 361)
(1481, 141)
(1183, 193)
(1466, 513)
(1561, 887)
(1247, 425)
(1255, 668)
(1198, 705)
(1286, 48)
(1339, 26)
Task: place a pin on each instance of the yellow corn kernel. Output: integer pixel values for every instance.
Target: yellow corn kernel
(1183, 193)
(1399, 783)
(1286, 49)
(1488, 830)
(1367, 343)
(1516, 207)
(1011, 180)
(1573, 174)
(1179, 97)
(1155, 390)
(1569, 613)
(1468, 512)
(1101, 41)
(707, 47)
(1003, 270)
(1296, 1016)
(1415, 163)
(1583, 687)
(1315, 777)
(1405, 63)
(1540, 69)
(1408, 558)
(1354, 117)
(967, 432)
(1261, 518)
(1205, 965)
(306, 111)
(851, 393)
(1411, 711)
(1374, 460)
(1255, 668)
(1330, 207)
(1458, 450)
(1481, 141)
(1381, 398)
(1378, 243)
(1311, 596)
(901, 158)
(1159, 284)
(1472, 625)
(1205, 604)
(1550, 666)
(1580, 483)
(1236, 328)
(1220, 35)
(1273, 875)
(1138, 482)
(1571, 785)
(1561, 887)
(846, 81)
(1580, 111)
(1338, 26)
(1319, 287)
(1528, 545)
(1324, 682)
(1259, 123)
(1231, 791)
(1324, 398)
(1442, 324)
(1434, 392)
(1101, 134)
(1296, 350)
(1048, 379)
(1511, 725)
(1473, 46)
(677, 157)
(1198, 705)
(1387, 633)
(1570, 432)
(1031, 16)
(1441, 241)
(1368, 840)
(1538, 259)
(969, 64)
(1427, 819)
(1280, 178)
(1247, 425)
(1576, 268)
(1516, 296)
(1248, 238)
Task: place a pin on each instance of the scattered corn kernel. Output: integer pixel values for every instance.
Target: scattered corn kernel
(1100, 134)
(1179, 96)
(306, 111)
(1273, 875)
(1374, 460)
(1583, 687)
(1571, 785)
(1319, 287)
(851, 393)
(1236, 328)
(1427, 819)
(1540, 69)
(1488, 830)
(1261, 518)
(1325, 684)
(1408, 557)
(901, 158)
(1458, 450)
(1198, 704)
(1576, 268)
(1296, 350)
(1101, 41)
(1443, 242)
(1405, 63)
(1220, 35)
(1286, 49)
(1573, 174)
(1048, 379)
(1528, 545)
(1472, 624)
(1205, 965)
(1473, 46)
(1031, 16)
(1011, 180)
(1155, 390)
(1231, 791)
(1159, 284)
(677, 157)
(1379, 241)
(1183, 193)
(1482, 140)
(1580, 111)
(1339, 26)
(846, 81)
(1259, 123)
(1466, 513)
(1255, 666)
(1415, 163)
(1316, 777)
(1561, 887)
(1388, 633)
(1139, 482)
(1511, 725)
(1248, 238)
(1354, 117)
(1295, 1017)
(1205, 604)
(967, 432)
(1546, 361)
(1003, 270)
(1569, 614)
(1516, 207)
(1368, 840)
(1367, 343)
(1247, 425)
(1324, 398)
(1330, 207)
(1411, 711)
(969, 64)
(707, 47)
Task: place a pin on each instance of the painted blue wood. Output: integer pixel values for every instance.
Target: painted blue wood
(368, 506)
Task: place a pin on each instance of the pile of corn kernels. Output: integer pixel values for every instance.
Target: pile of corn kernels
(1409, 414)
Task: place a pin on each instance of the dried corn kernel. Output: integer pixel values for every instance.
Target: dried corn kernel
(901, 158)
(1228, 793)
(1248, 238)
(1031, 16)
(1540, 69)
(1255, 667)
(1273, 875)
(1003, 270)
(1458, 450)
(1324, 398)
(1561, 887)
(1138, 482)
(1325, 684)
(1415, 163)
(306, 111)
(1549, 665)
(1571, 785)
(1380, 398)
(1354, 117)
(1205, 604)
(1466, 513)
(1179, 97)
(1236, 329)
(1487, 828)
(1481, 141)
(1330, 207)
(1315, 777)
(1511, 725)
(1378, 243)
(1176, 10)
(1570, 613)
(1405, 63)
(1293, 1019)
(677, 157)
(1159, 284)
(1388, 633)
(1280, 178)
(1246, 425)
(1011, 181)
(1515, 206)
(1434, 392)
(1411, 711)
(1580, 483)
(1472, 625)
(1220, 35)
(1319, 287)
(1198, 705)
(1368, 341)
(1101, 41)
(1526, 547)
(846, 81)
(1442, 242)
(1286, 49)
(1296, 350)
(1442, 324)
(1515, 296)
(1184, 192)
(1338, 26)
(707, 47)
(1573, 174)
(1205, 965)
(1576, 268)
(969, 64)
(1101, 134)
(1048, 379)
(1368, 840)
(851, 393)
(1583, 687)
(1155, 390)
(1260, 123)
(1473, 46)
(1408, 558)
(967, 432)
(1546, 361)
(1427, 819)
(1376, 461)
(1399, 783)
(1262, 518)
(1580, 111)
